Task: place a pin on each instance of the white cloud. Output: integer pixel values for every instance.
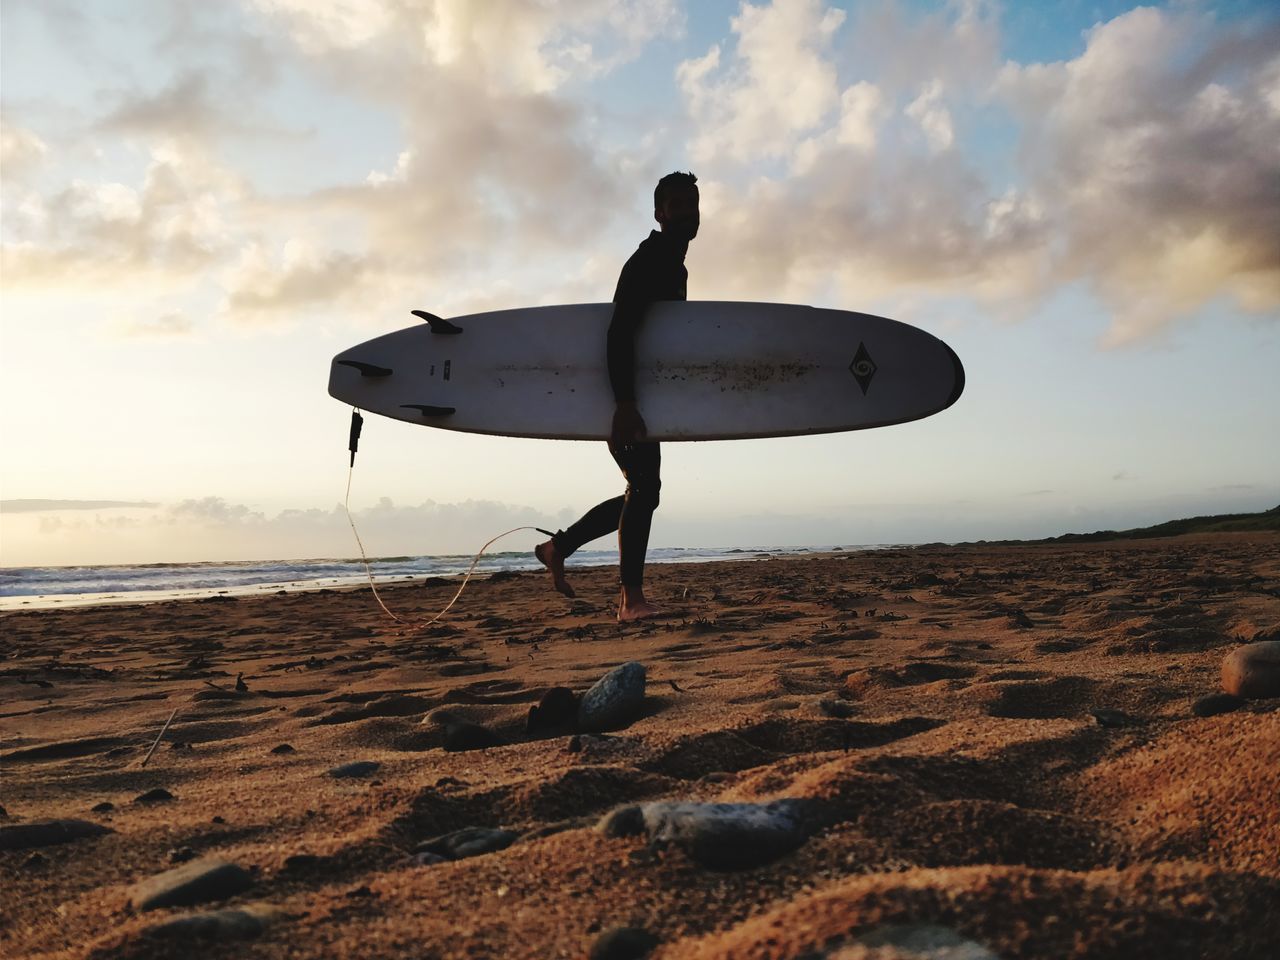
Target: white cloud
(779, 84)
(1154, 156)
(933, 117)
(173, 225)
(21, 151)
(1146, 165)
(534, 47)
(167, 326)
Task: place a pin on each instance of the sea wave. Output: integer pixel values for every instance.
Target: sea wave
(25, 585)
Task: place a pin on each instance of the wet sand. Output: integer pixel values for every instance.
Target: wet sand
(994, 742)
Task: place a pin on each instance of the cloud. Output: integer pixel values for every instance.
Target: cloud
(1146, 165)
(21, 151)
(214, 528)
(778, 85)
(533, 47)
(934, 118)
(1154, 155)
(44, 506)
(174, 226)
(168, 326)
(841, 162)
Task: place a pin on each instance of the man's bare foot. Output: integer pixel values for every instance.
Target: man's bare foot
(550, 558)
(640, 611)
(633, 606)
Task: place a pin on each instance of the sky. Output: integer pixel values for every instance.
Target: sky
(200, 204)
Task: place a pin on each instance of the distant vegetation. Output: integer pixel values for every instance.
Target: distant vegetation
(1225, 523)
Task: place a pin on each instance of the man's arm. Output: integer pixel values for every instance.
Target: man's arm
(628, 425)
(630, 303)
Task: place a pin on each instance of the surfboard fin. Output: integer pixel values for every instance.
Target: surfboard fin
(366, 369)
(428, 410)
(438, 324)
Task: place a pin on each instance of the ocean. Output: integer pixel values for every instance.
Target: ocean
(24, 588)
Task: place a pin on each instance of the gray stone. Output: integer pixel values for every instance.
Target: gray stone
(197, 882)
(468, 842)
(358, 768)
(154, 795)
(230, 924)
(917, 941)
(1107, 717)
(46, 833)
(1253, 671)
(721, 836)
(614, 700)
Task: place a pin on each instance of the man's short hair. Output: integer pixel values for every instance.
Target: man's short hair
(670, 184)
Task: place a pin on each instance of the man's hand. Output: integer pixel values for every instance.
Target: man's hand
(628, 426)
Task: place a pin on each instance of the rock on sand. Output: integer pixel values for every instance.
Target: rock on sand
(45, 833)
(231, 924)
(614, 700)
(189, 884)
(722, 836)
(1253, 671)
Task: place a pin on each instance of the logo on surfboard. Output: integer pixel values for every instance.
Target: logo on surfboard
(863, 368)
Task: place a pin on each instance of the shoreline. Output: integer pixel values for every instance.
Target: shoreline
(18, 602)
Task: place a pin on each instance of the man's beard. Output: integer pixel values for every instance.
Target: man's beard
(685, 229)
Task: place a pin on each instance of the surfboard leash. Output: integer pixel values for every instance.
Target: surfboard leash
(357, 422)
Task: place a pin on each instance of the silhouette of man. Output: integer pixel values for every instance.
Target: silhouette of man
(655, 272)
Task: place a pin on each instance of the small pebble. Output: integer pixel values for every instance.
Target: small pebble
(1106, 717)
(721, 836)
(181, 855)
(106, 806)
(283, 748)
(622, 943)
(156, 795)
(917, 941)
(555, 712)
(1216, 703)
(46, 833)
(468, 842)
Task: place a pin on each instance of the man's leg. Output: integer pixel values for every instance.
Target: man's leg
(641, 464)
(596, 522)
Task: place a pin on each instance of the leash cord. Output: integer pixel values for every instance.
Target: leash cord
(346, 504)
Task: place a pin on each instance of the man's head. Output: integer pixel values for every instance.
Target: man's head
(675, 205)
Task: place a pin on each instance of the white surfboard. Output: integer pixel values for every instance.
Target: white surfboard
(705, 370)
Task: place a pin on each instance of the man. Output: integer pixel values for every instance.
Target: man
(655, 272)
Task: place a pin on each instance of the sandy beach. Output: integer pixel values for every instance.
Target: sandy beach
(987, 750)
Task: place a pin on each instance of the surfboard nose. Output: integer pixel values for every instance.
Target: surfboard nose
(958, 369)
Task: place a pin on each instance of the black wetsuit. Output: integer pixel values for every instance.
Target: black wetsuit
(655, 272)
